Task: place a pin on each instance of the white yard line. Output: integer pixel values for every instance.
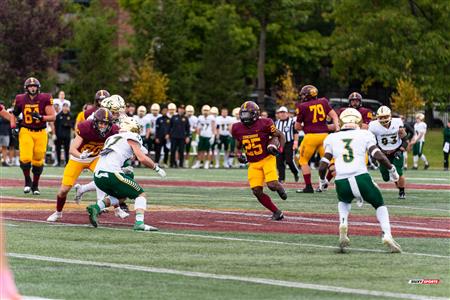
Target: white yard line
(420, 208)
(34, 298)
(256, 280)
(215, 237)
(241, 223)
(182, 223)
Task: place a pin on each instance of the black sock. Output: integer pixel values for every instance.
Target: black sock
(401, 190)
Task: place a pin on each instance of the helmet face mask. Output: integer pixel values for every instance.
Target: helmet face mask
(32, 82)
(249, 113)
(100, 95)
(205, 109)
(355, 100)
(189, 110)
(384, 116)
(103, 121)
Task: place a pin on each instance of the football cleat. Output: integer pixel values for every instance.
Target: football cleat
(307, 190)
(196, 165)
(140, 226)
(344, 241)
(401, 196)
(123, 206)
(282, 194)
(54, 217)
(27, 189)
(78, 193)
(426, 166)
(296, 178)
(118, 212)
(35, 191)
(391, 244)
(277, 216)
(93, 214)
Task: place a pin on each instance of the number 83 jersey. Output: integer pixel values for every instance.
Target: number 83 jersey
(254, 138)
(388, 139)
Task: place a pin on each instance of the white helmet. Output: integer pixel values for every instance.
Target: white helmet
(130, 124)
(155, 108)
(214, 110)
(172, 106)
(142, 110)
(350, 116)
(190, 109)
(420, 116)
(206, 108)
(114, 103)
(235, 112)
(384, 115)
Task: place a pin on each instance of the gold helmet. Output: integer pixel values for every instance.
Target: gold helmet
(214, 111)
(235, 112)
(205, 109)
(384, 115)
(172, 106)
(142, 111)
(130, 124)
(114, 103)
(420, 116)
(350, 116)
(155, 108)
(190, 109)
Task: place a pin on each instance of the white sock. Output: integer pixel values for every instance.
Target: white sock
(88, 187)
(139, 217)
(344, 210)
(383, 218)
(101, 204)
(424, 158)
(405, 159)
(416, 160)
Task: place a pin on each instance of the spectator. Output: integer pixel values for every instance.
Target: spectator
(5, 129)
(161, 130)
(446, 148)
(130, 109)
(179, 133)
(285, 124)
(63, 128)
(62, 99)
(264, 114)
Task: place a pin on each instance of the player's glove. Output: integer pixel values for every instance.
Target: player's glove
(272, 149)
(323, 184)
(393, 175)
(242, 158)
(128, 170)
(37, 116)
(212, 140)
(160, 171)
(85, 154)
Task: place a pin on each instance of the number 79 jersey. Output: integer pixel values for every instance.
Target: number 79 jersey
(254, 138)
(388, 139)
(348, 148)
(117, 151)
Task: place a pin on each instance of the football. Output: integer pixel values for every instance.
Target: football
(274, 141)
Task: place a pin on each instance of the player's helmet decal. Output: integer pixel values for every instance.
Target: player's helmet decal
(31, 81)
(249, 113)
(355, 96)
(102, 115)
(308, 92)
(130, 124)
(350, 116)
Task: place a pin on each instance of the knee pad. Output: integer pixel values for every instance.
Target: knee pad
(25, 166)
(140, 203)
(37, 170)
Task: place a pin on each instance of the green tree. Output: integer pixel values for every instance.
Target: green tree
(287, 95)
(98, 60)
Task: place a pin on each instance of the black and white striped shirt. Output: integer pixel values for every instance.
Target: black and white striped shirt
(287, 128)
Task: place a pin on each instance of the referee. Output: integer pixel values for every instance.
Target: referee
(286, 125)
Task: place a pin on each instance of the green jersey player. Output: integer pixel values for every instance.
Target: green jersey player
(348, 147)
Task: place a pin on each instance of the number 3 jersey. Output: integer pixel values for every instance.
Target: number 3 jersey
(92, 141)
(117, 151)
(254, 138)
(348, 148)
(387, 138)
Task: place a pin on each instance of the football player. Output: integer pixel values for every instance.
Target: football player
(417, 142)
(206, 130)
(348, 148)
(84, 150)
(193, 120)
(100, 95)
(7, 116)
(110, 178)
(391, 139)
(355, 101)
(254, 133)
(223, 122)
(312, 113)
(36, 109)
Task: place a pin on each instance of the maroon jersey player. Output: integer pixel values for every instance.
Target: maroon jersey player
(84, 150)
(355, 101)
(253, 134)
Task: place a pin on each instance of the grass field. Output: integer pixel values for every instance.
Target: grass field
(75, 261)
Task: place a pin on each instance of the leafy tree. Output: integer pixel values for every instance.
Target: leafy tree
(30, 41)
(98, 60)
(287, 95)
(150, 85)
(407, 100)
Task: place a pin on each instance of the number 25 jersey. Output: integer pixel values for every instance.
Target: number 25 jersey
(254, 138)
(313, 114)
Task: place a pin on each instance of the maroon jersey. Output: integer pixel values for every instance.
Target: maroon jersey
(92, 141)
(26, 106)
(89, 112)
(313, 114)
(1, 107)
(365, 113)
(254, 138)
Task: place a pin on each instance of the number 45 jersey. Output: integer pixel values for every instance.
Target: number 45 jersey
(348, 148)
(387, 138)
(117, 151)
(254, 138)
